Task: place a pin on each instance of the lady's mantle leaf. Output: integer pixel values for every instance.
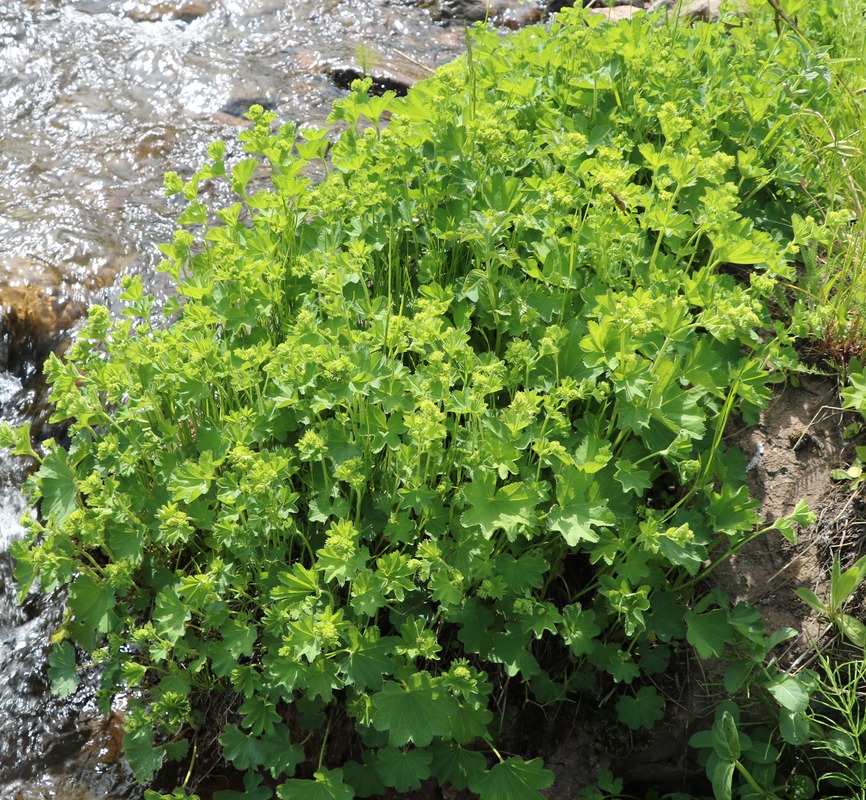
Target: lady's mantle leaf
(510, 649)
(17, 439)
(91, 602)
(632, 478)
(511, 508)
(62, 672)
(513, 779)
(471, 722)
(576, 514)
(579, 629)
(367, 659)
(523, 573)
(239, 637)
(641, 711)
(243, 750)
(259, 715)
(253, 790)
(415, 712)
(452, 764)
(733, 511)
(281, 754)
(143, 757)
(327, 785)
(403, 769)
(191, 480)
(57, 484)
(445, 589)
(738, 250)
(592, 454)
(241, 174)
(575, 520)
(363, 778)
(708, 632)
(170, 615)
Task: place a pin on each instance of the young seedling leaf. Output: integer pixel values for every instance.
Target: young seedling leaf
(811, 599)
(726, 737)
(802, 515)
(794, 727)
(853, 630)
(854, 395)
(790, 692)
(722, 777)
(737, 674)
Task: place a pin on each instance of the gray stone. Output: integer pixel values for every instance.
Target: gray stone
(467, 10)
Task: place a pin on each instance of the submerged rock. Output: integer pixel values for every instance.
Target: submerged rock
(514, 14)
(184, 10)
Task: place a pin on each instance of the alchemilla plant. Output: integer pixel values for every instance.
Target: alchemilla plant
(444, 427)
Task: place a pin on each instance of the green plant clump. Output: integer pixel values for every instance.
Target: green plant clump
(442, 434)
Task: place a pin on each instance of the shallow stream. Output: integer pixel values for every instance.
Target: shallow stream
(98, 99)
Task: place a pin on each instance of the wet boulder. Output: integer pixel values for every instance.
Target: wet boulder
(33, 322)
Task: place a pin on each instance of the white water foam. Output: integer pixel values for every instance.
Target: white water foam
(12, 503)
(9, 385)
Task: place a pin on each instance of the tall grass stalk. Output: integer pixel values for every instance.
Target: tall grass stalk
(834, 286)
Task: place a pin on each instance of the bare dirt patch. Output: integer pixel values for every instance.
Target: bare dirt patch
(794, 449)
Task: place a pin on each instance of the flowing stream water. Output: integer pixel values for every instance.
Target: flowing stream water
(98, 99)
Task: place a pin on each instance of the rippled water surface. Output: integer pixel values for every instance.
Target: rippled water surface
(98, 98)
